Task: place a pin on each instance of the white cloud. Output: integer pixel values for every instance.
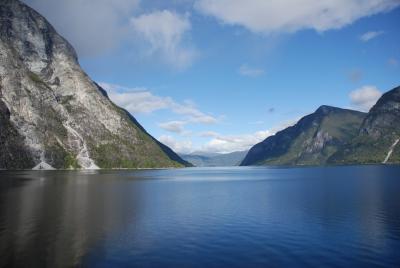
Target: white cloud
(97, 26)
(365, 97)
(208, 134)
(246, 70)
(370, 35)
(140, 100)
(194, 115)
(173, 126)
(164, 31)
(136, 100)
(232, 143)
(183, 147)
(92, 26)
(222, 143)
(271, 16)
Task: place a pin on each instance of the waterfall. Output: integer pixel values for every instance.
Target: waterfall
(390, 151)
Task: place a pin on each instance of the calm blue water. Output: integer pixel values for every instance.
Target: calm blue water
(198, 217)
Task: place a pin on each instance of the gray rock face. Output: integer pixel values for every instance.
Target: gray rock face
(52, 112)
(311, 141)
(14, 154)
(377, 140)
(317, 143)
(384, 116)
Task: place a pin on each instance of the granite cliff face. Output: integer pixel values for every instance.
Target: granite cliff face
(379, 134)
(311, 141)
(52, 113)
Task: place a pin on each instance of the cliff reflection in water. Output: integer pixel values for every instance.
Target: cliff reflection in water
(202, 217)
(54, 220)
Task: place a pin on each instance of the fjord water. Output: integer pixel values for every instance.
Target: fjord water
(202, 217)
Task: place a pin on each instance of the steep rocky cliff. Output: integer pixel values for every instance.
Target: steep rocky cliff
(311, 141)
(52, 113)
(379, 134)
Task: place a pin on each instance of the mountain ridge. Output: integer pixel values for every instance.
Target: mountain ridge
(58, 115)
(375, 141)
(311, 141)
(377, 134)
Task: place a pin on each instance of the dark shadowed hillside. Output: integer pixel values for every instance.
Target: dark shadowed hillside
(378, 137)
(311, 141)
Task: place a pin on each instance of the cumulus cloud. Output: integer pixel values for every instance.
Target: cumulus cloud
(141, 100)
(218, 143)
(173, 126)
(289, 16)
(97, 26)
(365, 97)
(92, 26)
(183, 147)
(370, 35)
(232, 143)
(137, 100)
(164, 31)
(194, 115)
(246, 70)
(208, 134)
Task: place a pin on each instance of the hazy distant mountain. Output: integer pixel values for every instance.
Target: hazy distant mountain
(378, 137)
(215, 160)
(311, 141)
(52, 114)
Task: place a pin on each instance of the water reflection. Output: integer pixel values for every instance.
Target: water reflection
(239, 217)
(54, 218)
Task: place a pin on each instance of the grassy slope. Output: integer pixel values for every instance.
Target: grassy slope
(378, 132)
(146, 153)
(340, 125)
(366, 150)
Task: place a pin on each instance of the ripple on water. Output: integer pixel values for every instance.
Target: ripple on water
(239, 217)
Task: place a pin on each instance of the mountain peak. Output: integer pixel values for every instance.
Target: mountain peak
(34, 38)
(55, 112)
(325, 109)
(389, 100)
(311, 141)
(378, 135)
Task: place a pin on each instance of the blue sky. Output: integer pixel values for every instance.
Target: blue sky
(220, 76)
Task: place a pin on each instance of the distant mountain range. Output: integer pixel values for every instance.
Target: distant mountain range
(52, 115)
(215, 160)
(332, 135)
